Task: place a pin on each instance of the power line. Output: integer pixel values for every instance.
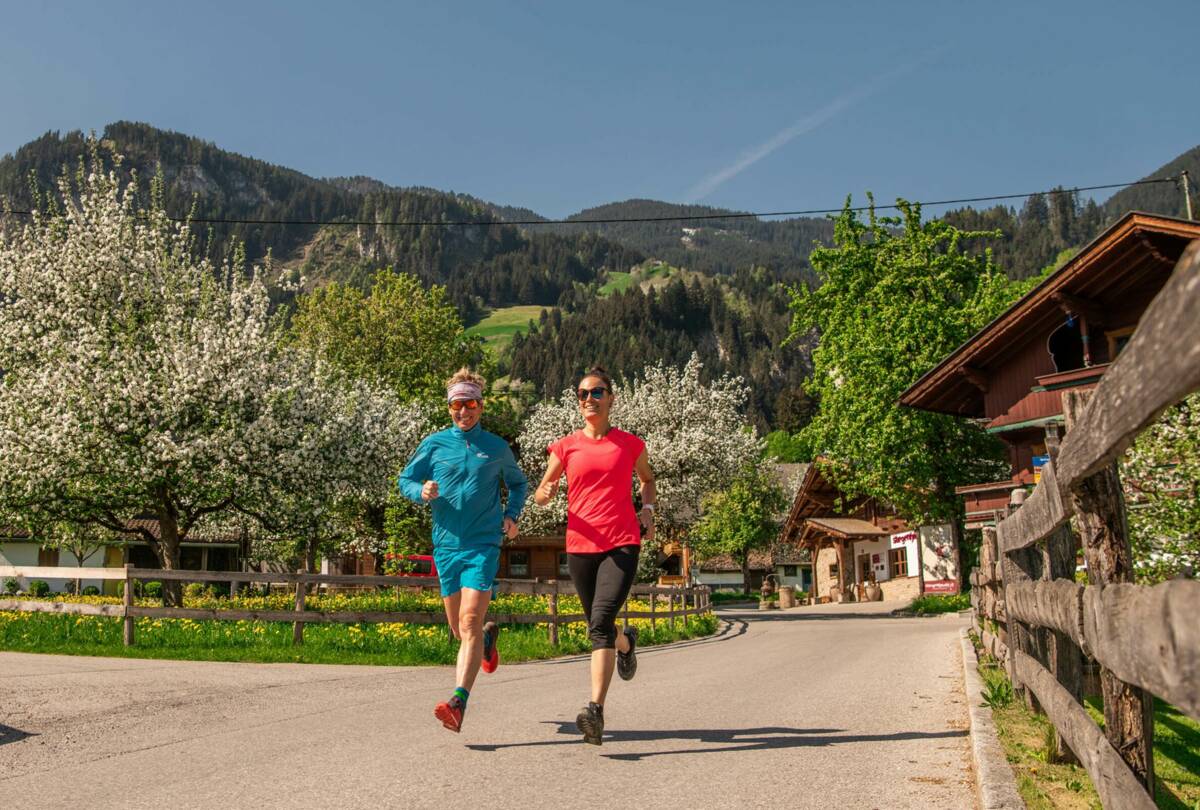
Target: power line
(624, 220)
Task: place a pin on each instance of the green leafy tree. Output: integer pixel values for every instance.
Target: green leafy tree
(740, 519)
(789, 448)
(400, 335)
(896, 296)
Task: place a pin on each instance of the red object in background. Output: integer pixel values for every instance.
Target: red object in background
(419, 565)
(941, 586)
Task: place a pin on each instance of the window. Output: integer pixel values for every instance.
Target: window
(564, 570)
(518, 563)
(48, 557)
(789, 570)
(833, 571)
(1117, 340)
(899, 560)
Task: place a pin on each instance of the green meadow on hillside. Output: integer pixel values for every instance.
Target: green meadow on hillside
(498, 328)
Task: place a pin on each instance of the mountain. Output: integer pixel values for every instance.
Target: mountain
(1160, 198)
(619, 293)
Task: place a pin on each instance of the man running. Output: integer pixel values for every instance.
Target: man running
(458, 472)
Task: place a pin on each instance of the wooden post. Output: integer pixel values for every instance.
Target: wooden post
(127, 601)
(1064, 658)
(554, 615)
(1100, 506)
(1024, 565)
(298, 627)
(652, 601)
(671, 607)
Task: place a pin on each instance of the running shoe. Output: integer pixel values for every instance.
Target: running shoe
(450, 713)
(491, 651)
(590, 723)
(627, 662)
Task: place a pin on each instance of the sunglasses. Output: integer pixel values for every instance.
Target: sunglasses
(458, 404)
(595, 393)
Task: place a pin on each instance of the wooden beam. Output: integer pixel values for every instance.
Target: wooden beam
(976, 377)
(1080, 307)
(1041, 514)
(1149, 637)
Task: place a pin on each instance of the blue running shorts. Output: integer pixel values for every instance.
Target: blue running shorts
(473, 568)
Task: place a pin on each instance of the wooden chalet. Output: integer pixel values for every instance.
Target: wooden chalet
(856, 542)
(1061, 336)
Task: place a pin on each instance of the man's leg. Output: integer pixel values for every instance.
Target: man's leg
(472, 608)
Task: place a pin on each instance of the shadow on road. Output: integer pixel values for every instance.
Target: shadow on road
(724, 740)
(8, 734)
(731, 628)
(798, 616)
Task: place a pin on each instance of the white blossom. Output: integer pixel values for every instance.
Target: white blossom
(696, 436)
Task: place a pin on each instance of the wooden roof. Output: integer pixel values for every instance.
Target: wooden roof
(1138, 249)
(846, 527)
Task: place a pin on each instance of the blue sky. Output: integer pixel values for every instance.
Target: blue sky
(561, 106)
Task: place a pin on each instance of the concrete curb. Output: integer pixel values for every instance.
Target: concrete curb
(995, 783)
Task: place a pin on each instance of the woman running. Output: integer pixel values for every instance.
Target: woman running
(458, 472)
(603, 535)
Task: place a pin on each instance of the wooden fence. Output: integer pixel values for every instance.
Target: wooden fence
(1032, 614)
(681, 602)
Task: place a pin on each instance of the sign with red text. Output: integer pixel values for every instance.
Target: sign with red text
(903, 538)
(942, 586)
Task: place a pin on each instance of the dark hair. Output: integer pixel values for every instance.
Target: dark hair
(596, 371)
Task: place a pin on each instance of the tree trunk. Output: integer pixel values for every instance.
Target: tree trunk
(746, 574)
(167, 550)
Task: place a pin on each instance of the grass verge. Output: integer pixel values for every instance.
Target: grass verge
(1028, 741)
(931, 604)
(383, 644)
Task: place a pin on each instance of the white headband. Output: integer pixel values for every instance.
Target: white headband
(464, 390)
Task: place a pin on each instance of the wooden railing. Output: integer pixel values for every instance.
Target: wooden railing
(1032, 614)
(681, 602)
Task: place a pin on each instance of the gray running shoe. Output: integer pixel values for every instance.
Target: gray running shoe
(590, 723)
(627, 662)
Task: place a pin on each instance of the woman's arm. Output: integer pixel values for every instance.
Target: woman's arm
(649, 493)
(549, 486)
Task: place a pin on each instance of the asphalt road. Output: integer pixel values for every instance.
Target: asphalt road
(838, 706)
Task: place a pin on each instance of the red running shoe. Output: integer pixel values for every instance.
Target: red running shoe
(450, 713)
(491, 652)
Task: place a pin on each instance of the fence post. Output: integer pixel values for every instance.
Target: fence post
(1023, 565)
(1100, 506)
(671, 608)
(652, 601)
(554, 615)
(127, 601)
(298, 627)
(1064, 658)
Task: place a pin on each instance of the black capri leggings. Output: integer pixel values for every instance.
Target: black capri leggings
(603, 581)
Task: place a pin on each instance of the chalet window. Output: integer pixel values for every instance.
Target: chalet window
(1117, 340)
(518, 563)
(899, 560)
(48, 557)
(789, 570)
(564, 570)
(833, 570)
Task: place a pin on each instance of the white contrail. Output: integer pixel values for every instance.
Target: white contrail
(806, 124)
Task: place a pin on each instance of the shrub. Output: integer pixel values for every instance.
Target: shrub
(940, 603)
(11, 586)
(997, 692)
(138, 588)
(91, 590)
(39, 588)
(193, 589)
(153, 590)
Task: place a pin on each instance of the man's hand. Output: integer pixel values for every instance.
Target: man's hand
(646, 516)
(429, 491)
(510, 528)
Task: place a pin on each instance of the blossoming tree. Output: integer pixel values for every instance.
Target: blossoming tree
(143, 381)
(696, 435)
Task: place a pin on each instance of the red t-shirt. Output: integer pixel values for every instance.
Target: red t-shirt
(600, 513)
